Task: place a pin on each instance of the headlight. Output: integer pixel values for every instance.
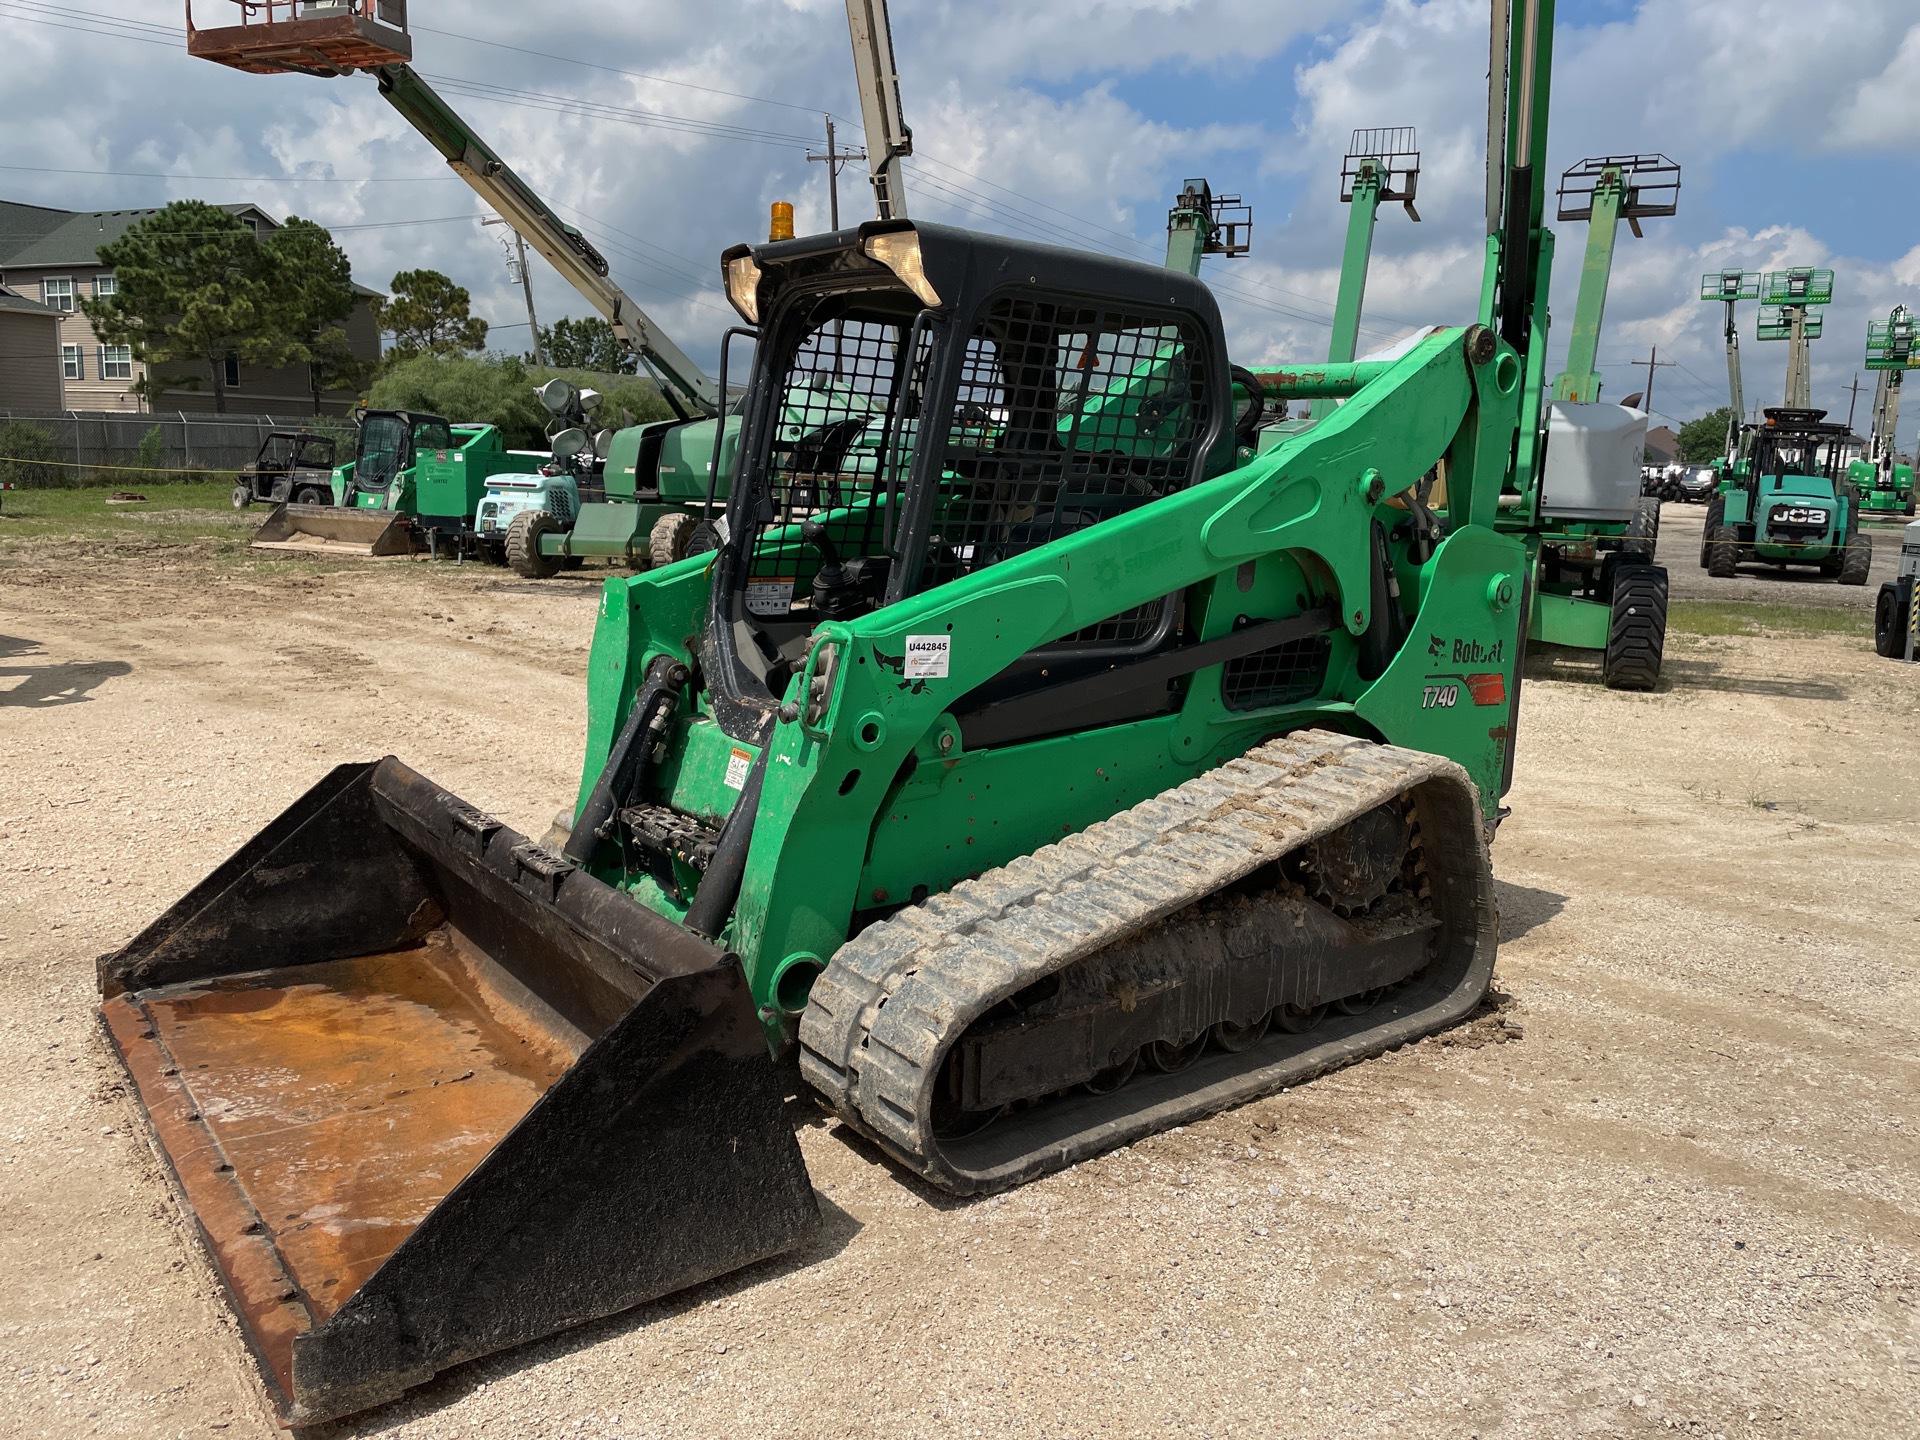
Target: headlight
(1798, 515)
(743, 287)
(899, 251)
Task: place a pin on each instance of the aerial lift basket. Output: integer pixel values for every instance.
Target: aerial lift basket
(335, 530)
(318, 37)
(429, 1091)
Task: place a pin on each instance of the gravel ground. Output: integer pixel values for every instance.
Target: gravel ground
(1670, 1186)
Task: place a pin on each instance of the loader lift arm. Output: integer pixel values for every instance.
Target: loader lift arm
(565, 248)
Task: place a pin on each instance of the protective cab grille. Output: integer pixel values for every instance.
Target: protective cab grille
(1065, 415)
(830, 431)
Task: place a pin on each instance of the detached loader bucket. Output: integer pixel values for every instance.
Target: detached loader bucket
(429, 1091)
(335, 530)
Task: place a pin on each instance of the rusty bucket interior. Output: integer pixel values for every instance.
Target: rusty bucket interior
(429, 1091)
(335, 530)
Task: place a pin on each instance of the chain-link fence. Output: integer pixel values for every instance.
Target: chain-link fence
(78, 447)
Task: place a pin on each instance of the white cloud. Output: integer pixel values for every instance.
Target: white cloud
(1078, 118)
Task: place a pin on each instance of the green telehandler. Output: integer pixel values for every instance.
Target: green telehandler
(1063, 776)
(1788, 502)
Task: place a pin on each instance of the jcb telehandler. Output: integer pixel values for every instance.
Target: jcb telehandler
(1787, 501)
(1068, 774)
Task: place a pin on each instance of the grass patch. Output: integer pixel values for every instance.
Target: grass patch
(170, 515)
(1727, 617)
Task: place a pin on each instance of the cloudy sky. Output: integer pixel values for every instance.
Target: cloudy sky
(665, 128)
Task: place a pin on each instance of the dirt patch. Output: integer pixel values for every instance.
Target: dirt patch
(1685, 1201)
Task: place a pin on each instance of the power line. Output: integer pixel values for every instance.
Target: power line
(241, 179)
(89, 24)
(612, 70)
(600, 110)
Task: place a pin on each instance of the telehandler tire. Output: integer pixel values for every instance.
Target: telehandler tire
(1723, 552)
(1716, 509)
(523, 545)
(1890, 608)
(667, 541)
(1637, 632)
(1642, 535)
(1857, 560)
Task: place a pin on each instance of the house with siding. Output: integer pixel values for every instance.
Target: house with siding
(29, 354)
(51, 257)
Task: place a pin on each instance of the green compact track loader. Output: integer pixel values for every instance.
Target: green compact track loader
(1061, 773)
(412, 486)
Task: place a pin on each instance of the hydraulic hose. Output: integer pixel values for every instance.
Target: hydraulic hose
(720, 886)
(1386, 628)
(630, 757)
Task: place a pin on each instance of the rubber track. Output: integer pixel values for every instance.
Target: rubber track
(894, 999)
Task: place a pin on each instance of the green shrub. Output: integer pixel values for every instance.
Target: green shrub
(498, 390)
(27, 457)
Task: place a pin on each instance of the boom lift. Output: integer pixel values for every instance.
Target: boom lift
(1730, 287)
(1884, 481)
(1786, 298)
(1603, 191)
(1062, 774)
(653, 473)
(1592, 534)
(1381, 166)
(888, 139)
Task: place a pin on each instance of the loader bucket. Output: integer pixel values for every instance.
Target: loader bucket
(429, 1091)
(335, 530)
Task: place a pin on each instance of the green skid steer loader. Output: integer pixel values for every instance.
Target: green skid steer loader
(1057, 778)
(411, 486)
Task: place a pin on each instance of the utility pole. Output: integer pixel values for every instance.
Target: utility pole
(1853, 392)
(1652, 363)
(835, 159)
(517, 263)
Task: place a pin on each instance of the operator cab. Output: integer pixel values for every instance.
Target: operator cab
(1797, 443)
(390, 443)
(927, 402)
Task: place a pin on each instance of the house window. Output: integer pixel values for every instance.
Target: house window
(105, 285)
(72, 366)
(116, 362)
(58, 294)
(233, 369)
